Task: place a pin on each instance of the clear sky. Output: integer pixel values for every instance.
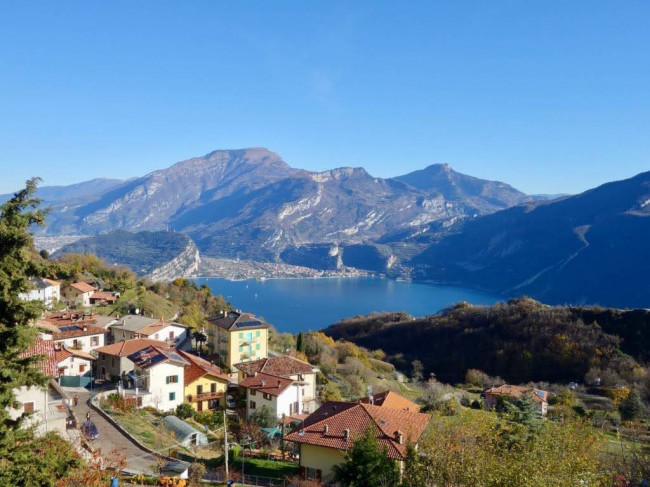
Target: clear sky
(551, 97)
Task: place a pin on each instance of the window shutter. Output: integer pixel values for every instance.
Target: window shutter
(167, 379)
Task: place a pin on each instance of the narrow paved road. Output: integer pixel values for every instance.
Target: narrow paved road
(111, 441)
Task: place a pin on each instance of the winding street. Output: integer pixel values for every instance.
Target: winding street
(111, 440)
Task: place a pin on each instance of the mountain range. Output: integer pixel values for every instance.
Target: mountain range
(250, 204)
(434, 224)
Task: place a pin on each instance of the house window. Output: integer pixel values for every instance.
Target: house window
(213, 387)
(123, 334)
(82, 368)
(172, 396)
(313, 473)
(303, 391)
(171, 379)
(199, 406)
(213, 404)
(253, 392)
(171, 335)
(257, 346)
(267, 396)
(241, 334)
(251, 405)
(199, 389)
(103, 371)
(94, 341)
(113, 362)
(28, 407)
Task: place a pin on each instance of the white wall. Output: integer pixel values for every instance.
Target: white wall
(49, 296)
(180, 333)
(73, 368)
(84, 340)
(156, 384)
(44, 418)
(278, 404)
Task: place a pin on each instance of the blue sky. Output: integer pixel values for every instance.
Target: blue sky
(550, 97)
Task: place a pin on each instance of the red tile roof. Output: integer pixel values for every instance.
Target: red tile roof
(103, 296)
(64, 353)
(82, 287)
(200, 367)
(283, 366)
(518, 391)
(77, 330)
(327, 427)
(52, 282)
(48, 364)
(128, 347)
(393, 400)
(266, 383)
(156, 327)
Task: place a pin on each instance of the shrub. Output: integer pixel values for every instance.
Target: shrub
(184, 410)
(476, 404)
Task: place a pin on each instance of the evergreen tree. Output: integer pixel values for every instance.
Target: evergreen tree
(299, 343)
(631, 407)
(17, 265)
(367, 465)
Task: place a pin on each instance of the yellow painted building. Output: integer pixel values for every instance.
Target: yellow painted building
(317, 462)
(205, 383)
(237, 337)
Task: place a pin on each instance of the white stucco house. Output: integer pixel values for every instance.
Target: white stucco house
(80, 336)
(47, 291)
(302, 373)
(71, 362)
(283, 396)
(45, 408)
(130, 327)
(157, 379)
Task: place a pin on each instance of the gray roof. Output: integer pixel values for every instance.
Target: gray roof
(133, 323)
(182, 430)
(238, 321)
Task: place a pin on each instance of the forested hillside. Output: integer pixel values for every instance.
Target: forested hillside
(521, 340)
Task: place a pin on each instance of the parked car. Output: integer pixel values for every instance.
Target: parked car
(89, 430)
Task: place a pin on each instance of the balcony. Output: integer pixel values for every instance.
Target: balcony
(206, 396)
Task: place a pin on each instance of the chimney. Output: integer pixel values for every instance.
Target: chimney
(279, 384)
(85, 328)
(326, 429)
(399, 436)
(263, 382)
(346, 434)
(255, 374)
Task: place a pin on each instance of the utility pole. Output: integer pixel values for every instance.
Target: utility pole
(225, 441)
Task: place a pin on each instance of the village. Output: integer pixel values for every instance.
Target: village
(168, 397)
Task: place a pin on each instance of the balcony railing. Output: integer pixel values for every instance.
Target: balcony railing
(206, 396)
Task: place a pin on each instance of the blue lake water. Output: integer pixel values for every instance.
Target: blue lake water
(294, 305)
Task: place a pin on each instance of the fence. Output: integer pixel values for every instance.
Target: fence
(74, 381)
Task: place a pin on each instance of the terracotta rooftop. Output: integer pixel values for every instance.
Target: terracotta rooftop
(234, 320)
(518, 391)
(283, 366)
(69, 318)
(152, 356)
(200, 367)
(103, 295)
(52, 282)
(393, 400)
(76, 330)
(329, 425)
(129, 347)
(266, 383)
(48, 364)
(64, 353)
(155, 327)
(82, 287)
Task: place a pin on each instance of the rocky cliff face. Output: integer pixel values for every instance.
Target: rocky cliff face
(185, 264)
(250, 204)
